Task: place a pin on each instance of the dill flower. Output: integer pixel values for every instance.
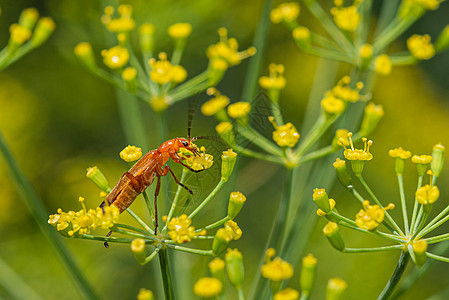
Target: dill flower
(94, 174)
(371, 215)
(145, 294)
(226, 50)
(162, 71)
(427, 4)
(146, 37)
(277, 270)
(366, 54)
(332, 232)
(285, 12)
(226, 132)
(302, 36)
(340, 139)
(332, 105)
(335, 288)
(308, 271)
(286, 294)
(239, 109)
(321, 213)
(420, 46)
(216, 104)
(180, 30)
(222, 238)
(84, 52)
(427, 194)
(131, 153)
(180, 230)
(201, 161)
(437, 159)
(321, 200)
(228, 159)
(160, 103)
(115, 57)
(207, 287)
(275, 80)
(342, 172)
(346, 18)
(18, 35)
(399, 153)
(138, 249)
(382, 64)
(235, 268)
(124, 23)
(44, 29)
(344, 92)
(284, 135)
(422, 162)
(216, 264)
(373, 114)
(419, 249)
(28, 17)
(234, 228)
(358, 156)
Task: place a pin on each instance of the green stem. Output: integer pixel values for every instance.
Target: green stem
(163, 261)
(437, 257)
(261, 156)
(403, 204)
(437, 239)
(415, 205)
(144, 232)
(175, 200)
(391, 32)
(110, 239)
(241, 294)
(370, 192)
(208, 198)
(315, 155)
(149, 207)
(40, 215)
(378, 249)
(315, 133)
(259, 42)
(190, 250)
(215, 224)
(140, 221)
(394, 280)
(151, 256)
(432, 225)
(256, 138)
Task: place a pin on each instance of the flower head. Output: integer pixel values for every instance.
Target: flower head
(275, 80)
(277, 270)
(19, 34)
(285, 12)
(162, 71)
(371, 215)
(346, 18)
(382, 64)
(284, 135)
(131, 153)
(216, 104)
(180, 230)
(239, 109)
(234, 228)
(124, 23)
(199, 161)
(399, 153)
(427, 194)
(286, 294)
(332, 105)
(358, 154)
(226, 50)
(115, 57)
(207, 287)
(344, 92)
(422, 159)
(180, 30)
(420, 46)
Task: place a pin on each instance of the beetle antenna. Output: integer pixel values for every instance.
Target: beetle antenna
(208, 137)
(191, 113)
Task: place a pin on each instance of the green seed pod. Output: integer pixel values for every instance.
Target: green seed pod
(85, 54)
(308, 270)
(321, 200)
(332, 233)
(342, 172)
(437, 160)
(138, 249)
(221, 240)
(335, 288)
(235, 268)
(44, 29)
(28, 18)
(227, 164)
(236, 201)
(419, 249)
(373, 114)
(94, 174)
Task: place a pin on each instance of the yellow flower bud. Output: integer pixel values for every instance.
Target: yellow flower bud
(332, 105)
(420, 46)
(208, 287)
(85, 54)
(115, 57)
(44, 28)
(217, 269)
(373, 114)
(321, 200)
(180, 30)
(307, 277)
(235, 268)
(145, 294)
(382, 64)
(286, 294)
(335, 288)
(129, 76)
(221, 241)
(146, 37)
(332, 233)
(28, 18)
(366, 54)
(94, 174)
(401, 155)
(138, 249)
(228, 160)
(342, 172)
(302, 37)
(131, 153)
(427, 194)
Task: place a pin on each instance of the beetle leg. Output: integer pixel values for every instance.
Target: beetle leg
(156, 193)
(106, 245)
(193, 170)
(168, 169)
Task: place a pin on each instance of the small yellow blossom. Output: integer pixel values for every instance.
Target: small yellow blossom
(420, 246)
(269, 253)
(162, 71)
(198, 161)
(344, 92)
(19, 34)
(420, 46)
(180, 230)
(422, 159)
(371, 215)
(236, 231)
(277, 270)
(332, 105)
(400, 153)
(227, 50)
(160, 102)
(239, 109)
(116, 57)
(131, 153)
(382, 64)
(366, 51)
(180, 30)
(346, 18)
(358, 154)
(341, 137)
(275, 80)
(332, 203)
(129, 74)
(427, 4)
(124, 23)
(145, 294)
(284, 135)
(215, 104)
(427, 194)
(207, 287)
(83, 221)
(216, 264)
(285, 12)
(286, 294)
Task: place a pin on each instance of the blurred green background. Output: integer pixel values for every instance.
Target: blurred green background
(59, 119)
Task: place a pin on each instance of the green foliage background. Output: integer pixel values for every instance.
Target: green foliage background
(59, 120)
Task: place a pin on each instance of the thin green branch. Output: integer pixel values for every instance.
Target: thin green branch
(208, 198)
(397, 274)
(378, 249)
(403, 203)
(191, 250)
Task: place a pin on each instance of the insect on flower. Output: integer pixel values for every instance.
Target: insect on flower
(151, 165)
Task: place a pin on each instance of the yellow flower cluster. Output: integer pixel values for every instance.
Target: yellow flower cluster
(180, 30)
(284, 135)
(399, 153)
(83, 221)
(422, 159)
(180, 230)
(124, 23)
(239, 109)
(19, 34)
(427, 194)
(276, 269)
(275, 80)
(382, 64)
(131, 153)
(200, 161)
(358, 154)
(226, 51)
(285, 12)
(332, 105)
(115, 57)
(208, 287)
(286, 294)
(346, 18)
(344, 92)
(215, 104)
(420, 46)
(371, 215)
(162, 71)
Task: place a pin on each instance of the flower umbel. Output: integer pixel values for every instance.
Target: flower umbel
(180, 230)
(371, 215)
(284, 135)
